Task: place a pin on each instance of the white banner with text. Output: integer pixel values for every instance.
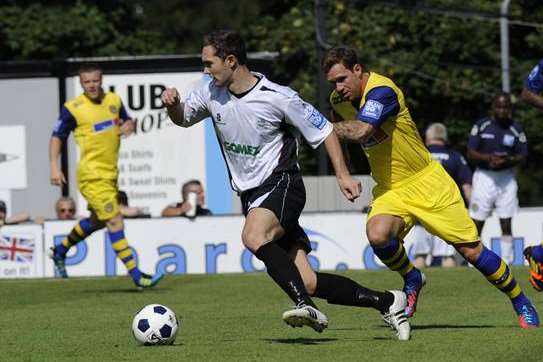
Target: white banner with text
(212, 244)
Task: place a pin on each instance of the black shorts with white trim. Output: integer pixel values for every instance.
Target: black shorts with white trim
(283, 193)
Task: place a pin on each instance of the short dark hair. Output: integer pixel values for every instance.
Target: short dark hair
(340, 55)
(89, 67)
(227, 42)
(186, 185)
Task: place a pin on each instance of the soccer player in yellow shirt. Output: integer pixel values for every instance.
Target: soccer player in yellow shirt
(370, 109)
(98, 119)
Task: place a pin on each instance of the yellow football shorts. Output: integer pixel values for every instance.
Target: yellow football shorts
(432, 198)
(101, 195)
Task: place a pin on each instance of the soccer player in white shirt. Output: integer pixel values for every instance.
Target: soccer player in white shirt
(258, 124)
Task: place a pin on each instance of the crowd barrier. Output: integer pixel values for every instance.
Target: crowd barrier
(212, 244)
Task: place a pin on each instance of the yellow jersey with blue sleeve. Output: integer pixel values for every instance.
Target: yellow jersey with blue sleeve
(96, 131)
(410, 184)
(395, 151)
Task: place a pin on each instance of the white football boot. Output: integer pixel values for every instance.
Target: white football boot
(396, 318)
(306, 316)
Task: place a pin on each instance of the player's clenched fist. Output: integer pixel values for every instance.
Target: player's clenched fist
(170, 97)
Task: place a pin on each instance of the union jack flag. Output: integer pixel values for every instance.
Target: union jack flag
(16, 248)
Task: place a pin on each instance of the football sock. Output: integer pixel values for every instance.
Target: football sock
(124, 252)
(506, 245)
(337, 289)
(80, 231)
(498, 274)
(537, 253)
(395, 257)
(283, 271)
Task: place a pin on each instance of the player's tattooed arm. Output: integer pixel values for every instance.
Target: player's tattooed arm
(354, 131)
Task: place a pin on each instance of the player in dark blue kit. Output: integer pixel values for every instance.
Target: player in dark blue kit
(497, 144)
(456, 166)
(531, 93)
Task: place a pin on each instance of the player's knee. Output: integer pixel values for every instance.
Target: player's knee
(470, 252)
(378, 236)
(252, 240)
(115, 223)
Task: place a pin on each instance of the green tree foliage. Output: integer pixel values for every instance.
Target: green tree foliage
(444, 54)
(446, 59)
(63, 29)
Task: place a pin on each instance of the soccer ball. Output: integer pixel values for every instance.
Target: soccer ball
(155, 324)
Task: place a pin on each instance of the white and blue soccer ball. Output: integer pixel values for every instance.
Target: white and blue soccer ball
(155, 324)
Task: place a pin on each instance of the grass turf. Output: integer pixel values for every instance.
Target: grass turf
(237, 317)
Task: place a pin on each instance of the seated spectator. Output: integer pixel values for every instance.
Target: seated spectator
(193, 203)
(129, 211)
(13, 219)
(65, 208)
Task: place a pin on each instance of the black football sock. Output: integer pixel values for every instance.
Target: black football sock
(283, 271)
(337, 289)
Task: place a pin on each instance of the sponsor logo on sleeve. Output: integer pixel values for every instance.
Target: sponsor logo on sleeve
(314, 117)
(372, 109)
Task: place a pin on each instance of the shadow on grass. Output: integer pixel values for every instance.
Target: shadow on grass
(305, 341)
(127, 290)
(450, 326)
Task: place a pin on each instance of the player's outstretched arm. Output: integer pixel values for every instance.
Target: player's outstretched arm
(349, 186)
(172, 101)
(531, 98)
(55, 146)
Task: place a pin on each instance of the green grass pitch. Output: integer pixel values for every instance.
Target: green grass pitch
(237, 317)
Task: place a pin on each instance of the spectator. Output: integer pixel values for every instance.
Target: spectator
(129, 211)
(65, 208)
(13, 219)
(193, 203)
(456, 166)
(497, 144)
